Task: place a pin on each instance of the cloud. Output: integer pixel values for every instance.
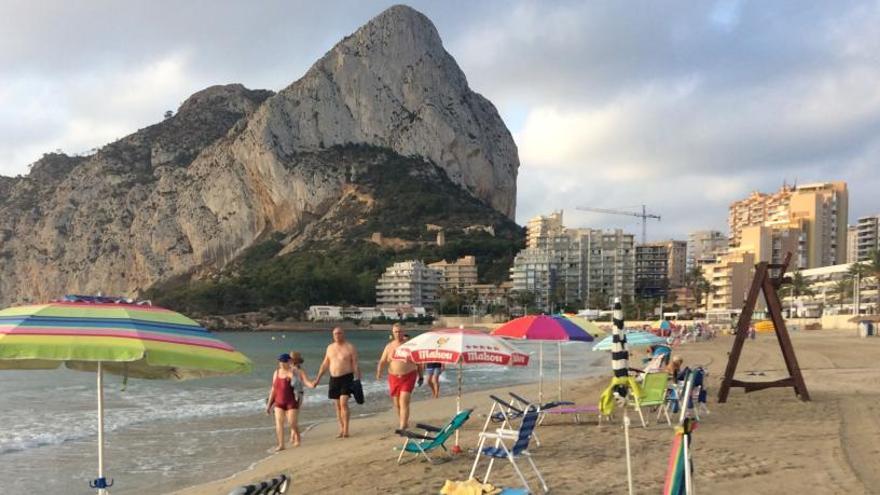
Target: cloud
(682, 106)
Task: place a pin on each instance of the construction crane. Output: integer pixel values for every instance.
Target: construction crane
(644, 215)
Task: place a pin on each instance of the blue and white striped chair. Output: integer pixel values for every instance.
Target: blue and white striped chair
(519, 448)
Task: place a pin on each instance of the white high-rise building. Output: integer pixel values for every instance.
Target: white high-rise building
(408, 283)
(867, 237)
(574, 265)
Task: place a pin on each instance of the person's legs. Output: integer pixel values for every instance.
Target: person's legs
(434, 383)
(293, 419)
(343, 411)
(339, 416)
(279, 428)
(403, 404)
(395, 403)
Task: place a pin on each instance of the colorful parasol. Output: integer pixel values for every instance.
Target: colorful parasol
(458, 346)
(634, 338)
(585, 324)
(544, 328)
(113, 335)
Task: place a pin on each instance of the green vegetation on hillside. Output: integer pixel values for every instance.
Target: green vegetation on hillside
(409, 194)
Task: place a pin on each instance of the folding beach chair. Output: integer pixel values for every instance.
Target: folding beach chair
(276, 486)
(519, 448)
(653, 394)
(504, 413)
(423, 443)
(544, 408)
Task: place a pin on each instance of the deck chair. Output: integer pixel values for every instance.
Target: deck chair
(423, 443)
(276, 486)
(504, 414)
(653, 395)
(518, 449)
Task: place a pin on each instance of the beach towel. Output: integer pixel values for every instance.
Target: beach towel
(358, 391)
(606, 400)
(469, 487)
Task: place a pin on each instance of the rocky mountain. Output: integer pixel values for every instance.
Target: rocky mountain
(233, 167)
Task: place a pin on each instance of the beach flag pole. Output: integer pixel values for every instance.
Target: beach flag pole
(620, 367)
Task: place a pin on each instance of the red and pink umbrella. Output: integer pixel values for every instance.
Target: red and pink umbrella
(543, 328)
(458, 346)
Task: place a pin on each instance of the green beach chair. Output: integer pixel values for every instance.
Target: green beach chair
(423, 443)
(653, 395)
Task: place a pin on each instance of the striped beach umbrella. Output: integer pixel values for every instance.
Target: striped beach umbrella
(634, 338)
(542, 328)
(459, 346)
(99, 334)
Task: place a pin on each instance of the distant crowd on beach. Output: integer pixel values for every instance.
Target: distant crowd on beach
(341, 363)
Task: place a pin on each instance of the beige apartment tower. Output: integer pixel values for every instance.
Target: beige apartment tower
(818, 211)
(457, 274)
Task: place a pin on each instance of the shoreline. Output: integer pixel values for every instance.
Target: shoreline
(324, 435)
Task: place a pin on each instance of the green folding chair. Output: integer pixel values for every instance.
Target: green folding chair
(423, 443)
(653, 395)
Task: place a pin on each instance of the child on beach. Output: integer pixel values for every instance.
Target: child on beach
(284, 401)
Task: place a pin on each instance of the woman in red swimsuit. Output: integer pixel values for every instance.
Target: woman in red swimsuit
(282, 399)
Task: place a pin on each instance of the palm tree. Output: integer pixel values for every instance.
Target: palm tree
(799, 286)
(698, 284)
(842, 289)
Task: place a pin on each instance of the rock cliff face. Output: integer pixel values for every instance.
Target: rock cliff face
(187, 195)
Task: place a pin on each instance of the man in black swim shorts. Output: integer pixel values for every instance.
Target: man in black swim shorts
(341, 360)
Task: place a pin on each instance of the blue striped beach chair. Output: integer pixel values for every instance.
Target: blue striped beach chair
(519, 448)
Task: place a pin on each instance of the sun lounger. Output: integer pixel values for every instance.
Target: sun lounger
(276, 486)
(423, 443)
(518, 449)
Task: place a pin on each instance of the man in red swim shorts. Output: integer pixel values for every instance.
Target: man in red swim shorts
(402, 376)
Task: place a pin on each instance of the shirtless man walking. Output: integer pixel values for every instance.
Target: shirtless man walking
(341, 360)
(401, 376)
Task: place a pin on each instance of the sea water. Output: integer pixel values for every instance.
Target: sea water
(164, 435)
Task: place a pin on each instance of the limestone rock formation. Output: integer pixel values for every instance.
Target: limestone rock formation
(187, 195)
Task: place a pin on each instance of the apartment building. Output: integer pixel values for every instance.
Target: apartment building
(852, 243)
(408, 283)
(458, 274)
(660, 267)
(704, 247)
(730, 277)
(818, 210)
(867, 237)
(571, 265)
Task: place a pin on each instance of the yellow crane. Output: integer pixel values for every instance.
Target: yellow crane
(644, 215)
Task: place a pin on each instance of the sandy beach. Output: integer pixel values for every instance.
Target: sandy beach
(765, 442)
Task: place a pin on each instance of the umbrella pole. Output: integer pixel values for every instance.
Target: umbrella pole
(629, 476)
(559, 358)
(458, 402)
(540, 372)
(100, 483)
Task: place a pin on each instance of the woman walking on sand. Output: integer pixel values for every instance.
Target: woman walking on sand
(299, 382)
(283, 400)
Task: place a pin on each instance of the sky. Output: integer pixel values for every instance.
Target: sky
(680, 106)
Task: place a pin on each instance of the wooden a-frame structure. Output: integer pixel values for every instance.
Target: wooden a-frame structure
(763, 281)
